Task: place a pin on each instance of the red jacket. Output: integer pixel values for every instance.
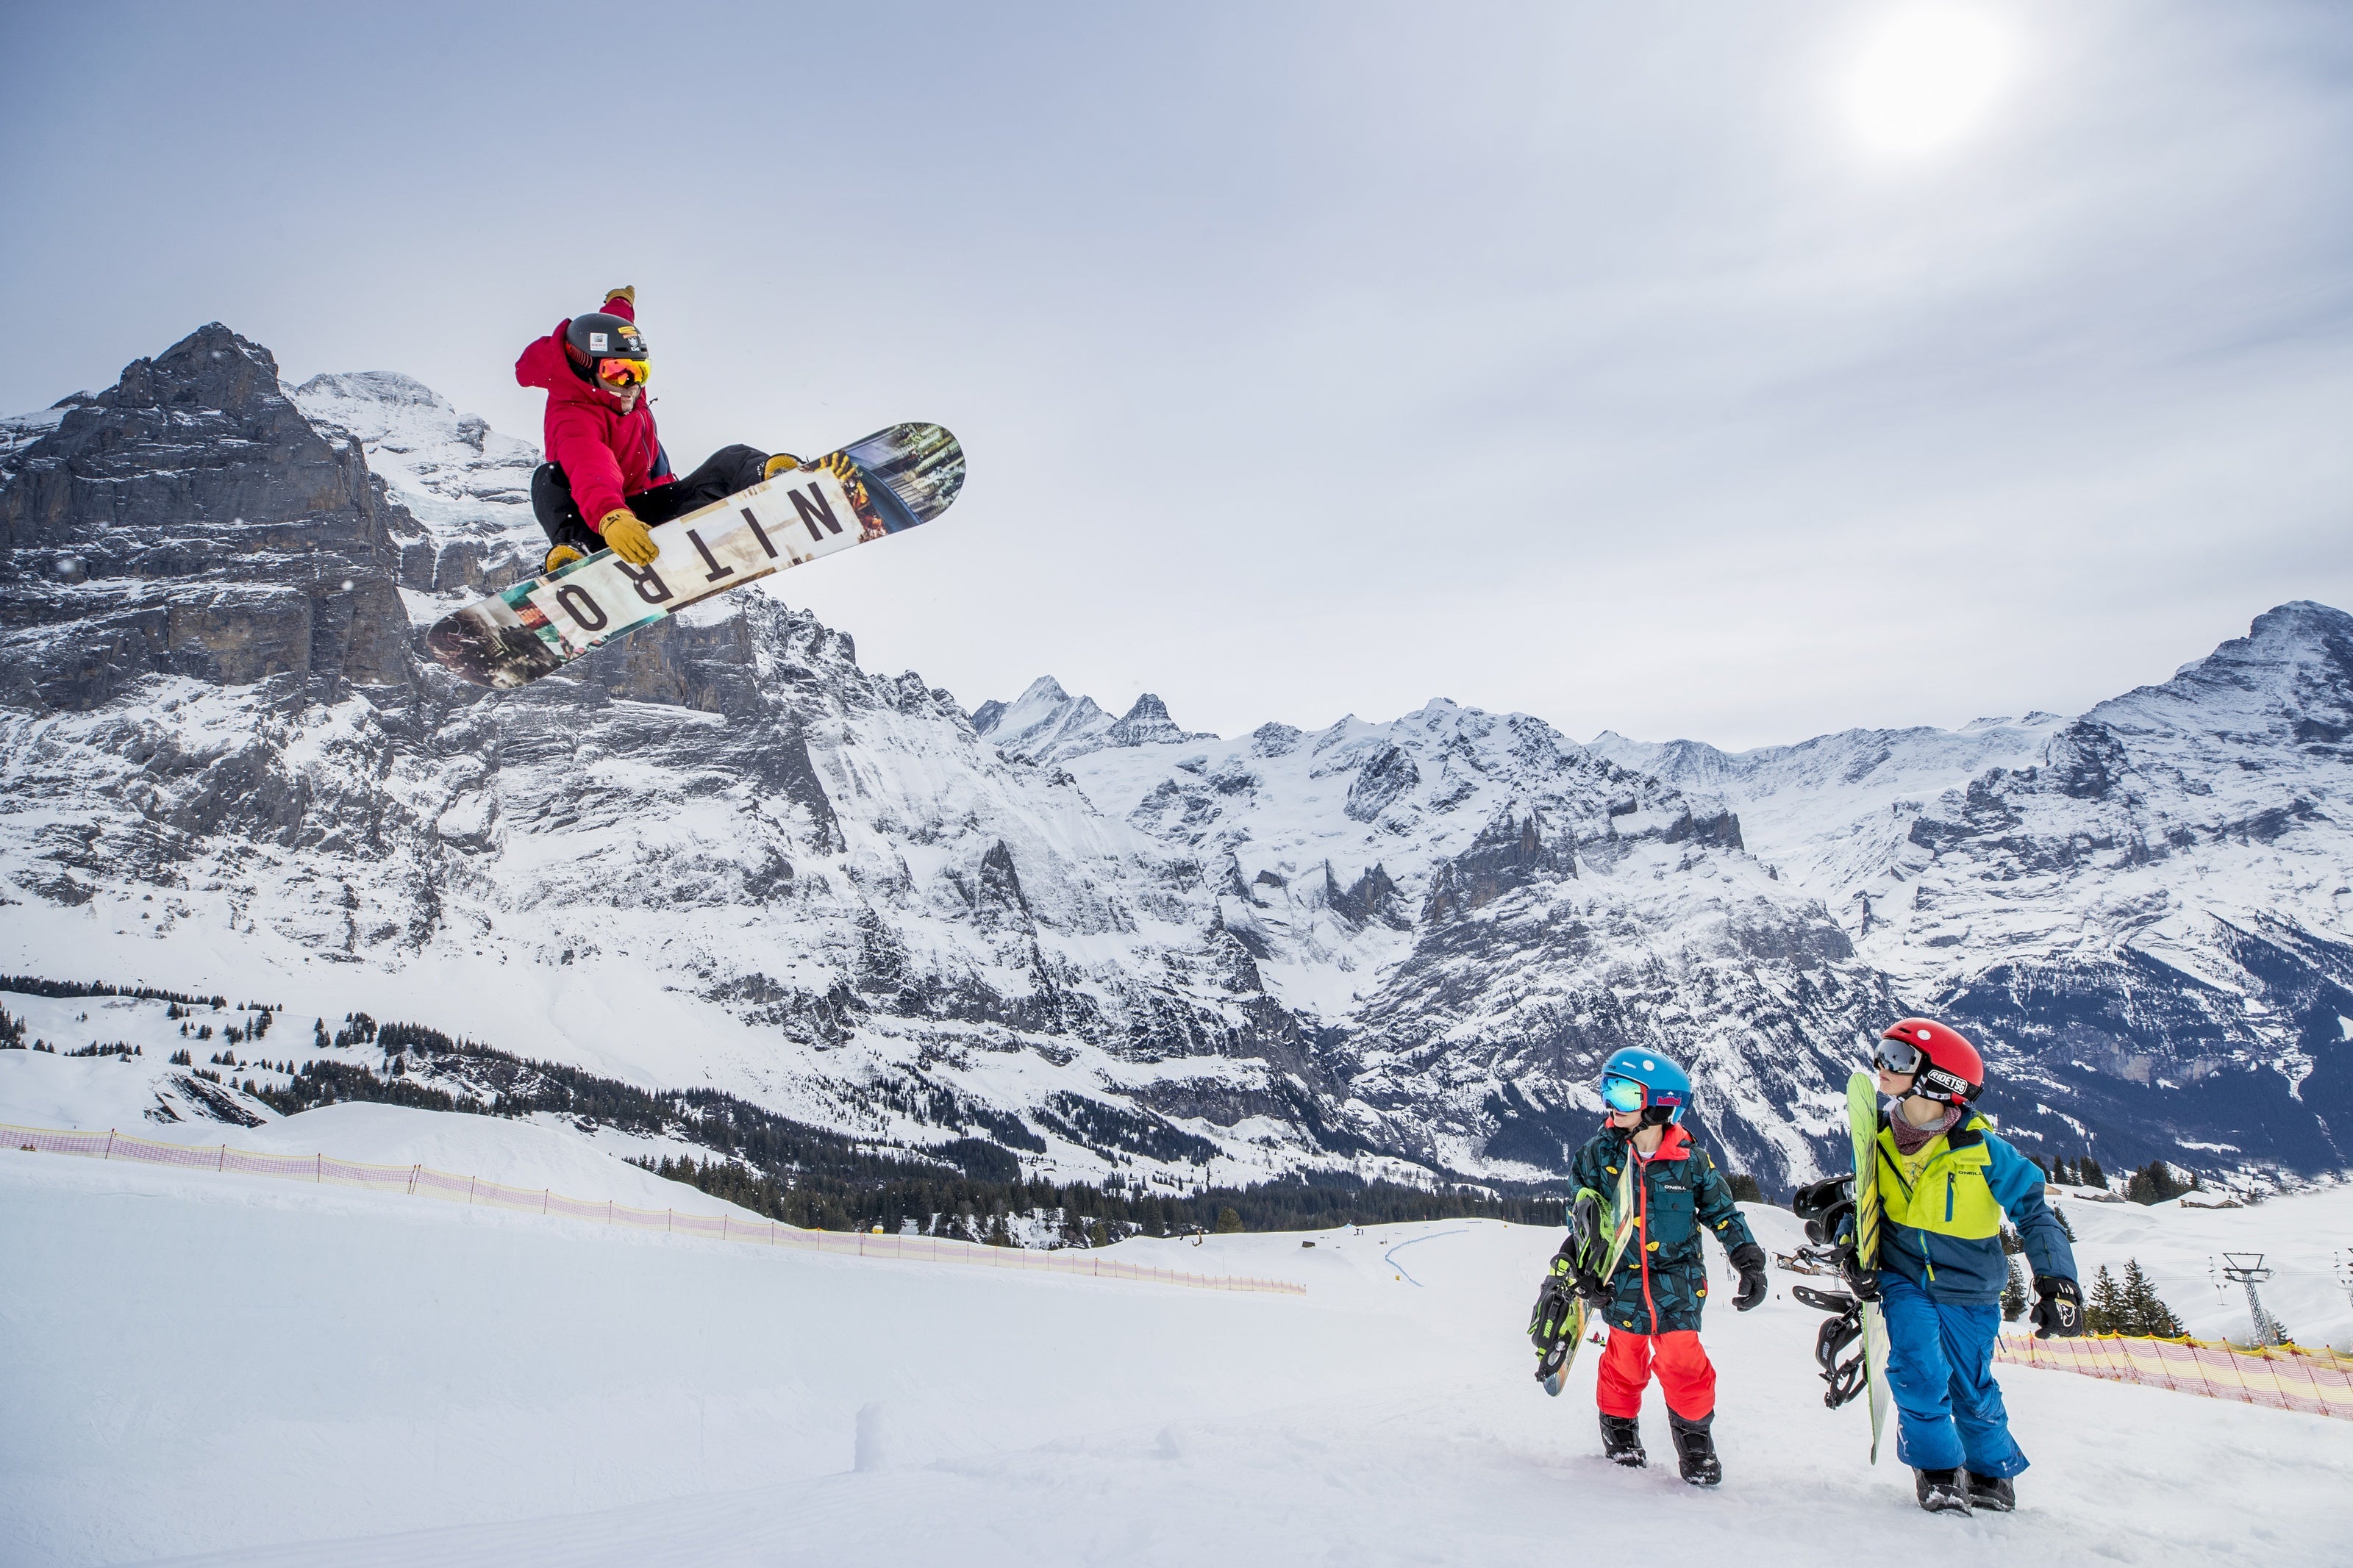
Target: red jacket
(607, 456)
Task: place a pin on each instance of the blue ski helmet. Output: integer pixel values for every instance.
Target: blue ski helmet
(1646, 1082)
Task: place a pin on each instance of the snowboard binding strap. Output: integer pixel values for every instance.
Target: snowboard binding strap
(1844, 1328)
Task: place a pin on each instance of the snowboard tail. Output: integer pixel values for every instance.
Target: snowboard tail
(887, 483)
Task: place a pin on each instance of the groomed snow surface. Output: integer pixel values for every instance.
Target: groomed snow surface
(282, 1374)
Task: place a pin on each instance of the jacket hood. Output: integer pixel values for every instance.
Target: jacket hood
(547, 366)
(1675, 1145)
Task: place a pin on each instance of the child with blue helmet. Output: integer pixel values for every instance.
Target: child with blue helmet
(1652, 1299)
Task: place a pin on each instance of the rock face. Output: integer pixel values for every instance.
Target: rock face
(189, 520)
(722, 853)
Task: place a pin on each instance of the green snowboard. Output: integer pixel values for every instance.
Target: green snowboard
(1863, 1126)
(1603, 1229)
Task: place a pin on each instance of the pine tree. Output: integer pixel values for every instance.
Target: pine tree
(2105, 1313)
(1230, 1222)
(2145, 1312)
(2089, 1175)
(2154, 1183)
(2060, 1215)
(2013, 1295)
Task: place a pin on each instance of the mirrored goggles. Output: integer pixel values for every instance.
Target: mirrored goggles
(1900, 1057)
(624, 372)
(1624, 1094)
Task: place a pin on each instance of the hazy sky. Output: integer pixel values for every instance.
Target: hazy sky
(1733, 370)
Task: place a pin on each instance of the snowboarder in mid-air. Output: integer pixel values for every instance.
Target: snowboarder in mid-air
(1946, 1182)
(1653, 1297)
(606, 480)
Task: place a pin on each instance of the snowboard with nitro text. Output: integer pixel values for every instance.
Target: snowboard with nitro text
(887, 483)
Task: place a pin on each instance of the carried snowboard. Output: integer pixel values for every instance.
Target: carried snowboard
(1865, 1371)
(885, 484)
(1602, 1229)
(1863, 1130)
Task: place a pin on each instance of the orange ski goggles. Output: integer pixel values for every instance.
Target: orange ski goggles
(624, 372)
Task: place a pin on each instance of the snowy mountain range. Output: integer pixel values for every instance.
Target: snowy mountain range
(722, 854)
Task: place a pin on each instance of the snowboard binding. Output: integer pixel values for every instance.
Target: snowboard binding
(1843, 1330)
(1560, 1313)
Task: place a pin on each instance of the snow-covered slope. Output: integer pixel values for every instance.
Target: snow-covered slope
(282, 1374)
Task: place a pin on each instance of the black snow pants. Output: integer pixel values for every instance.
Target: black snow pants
(725, 471)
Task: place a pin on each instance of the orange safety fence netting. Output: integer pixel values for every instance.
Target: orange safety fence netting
(423, 1181)
(2286, 1377)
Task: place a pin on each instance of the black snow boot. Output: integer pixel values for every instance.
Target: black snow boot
(1622, 1442)
(1941, 1491)
(1696, 1450)
(1992, 1493)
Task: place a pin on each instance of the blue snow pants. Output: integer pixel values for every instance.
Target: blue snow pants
(1940, 1369)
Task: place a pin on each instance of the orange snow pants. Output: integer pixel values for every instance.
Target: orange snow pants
(1685, 1374)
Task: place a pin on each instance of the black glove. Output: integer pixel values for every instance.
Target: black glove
(1827, 1206)
(1864, 1282)
(1750, 1260)
(1575, 1277)
(2058, 1307)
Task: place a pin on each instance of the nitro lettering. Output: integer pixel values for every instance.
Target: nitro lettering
(811, 514)
(649, 586)
(717, 571)
(758, 534)
(581, 607)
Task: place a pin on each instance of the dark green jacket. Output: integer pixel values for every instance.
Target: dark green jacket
(1661, 1282)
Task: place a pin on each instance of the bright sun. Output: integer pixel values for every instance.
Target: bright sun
(1924, 78)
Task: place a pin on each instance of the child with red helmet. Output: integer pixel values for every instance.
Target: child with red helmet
(1947, 1182)
(607, 478)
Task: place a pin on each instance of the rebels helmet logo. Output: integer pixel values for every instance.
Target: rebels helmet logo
(1936, 1080)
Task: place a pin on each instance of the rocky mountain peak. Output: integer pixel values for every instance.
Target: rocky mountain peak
(1047, 724)
(189, 520)
(2290, 677)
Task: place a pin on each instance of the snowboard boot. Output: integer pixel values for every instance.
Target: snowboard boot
(1992, 1493)
(1696, 1450)
(1941, 1491)
(1622, 1441)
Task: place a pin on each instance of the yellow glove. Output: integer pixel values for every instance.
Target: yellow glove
(627, 538)
(562, 555)
(626, 292)
(783, 462)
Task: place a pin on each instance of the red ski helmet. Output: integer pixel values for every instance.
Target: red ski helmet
(1943, 1064)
